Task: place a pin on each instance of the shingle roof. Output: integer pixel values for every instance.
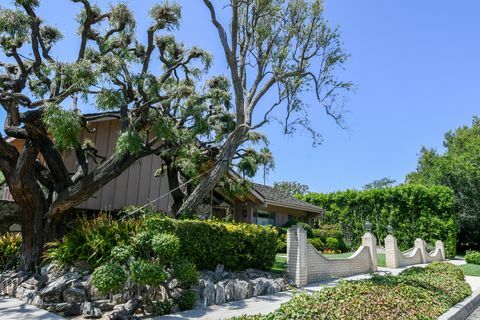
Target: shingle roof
(276, 196)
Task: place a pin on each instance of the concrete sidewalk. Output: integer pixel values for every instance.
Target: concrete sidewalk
(269, 303)
(14, 309)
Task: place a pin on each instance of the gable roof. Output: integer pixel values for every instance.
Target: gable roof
(279, 198)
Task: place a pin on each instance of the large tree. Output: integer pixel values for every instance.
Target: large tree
(281, 50)
(152, 88)
(458, 167)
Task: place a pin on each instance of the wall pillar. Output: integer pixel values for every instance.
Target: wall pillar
(441, 247)
(421, 244)
(297, 255)
(369, 240)
(391, 252)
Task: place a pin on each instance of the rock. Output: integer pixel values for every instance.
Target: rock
(220, 293)
(173, 284)
(259, 287)
(74, 295)
(63, 308)
(104, 305)
(25, 294)
(241, 289)
(32, 284)
(207, 292)
(125, 311)
(176, 293)
(229, 290)
(90, 311)
(92, 292)
(53, 291)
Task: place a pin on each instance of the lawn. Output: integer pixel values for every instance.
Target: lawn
(280, 264)
(471, 269)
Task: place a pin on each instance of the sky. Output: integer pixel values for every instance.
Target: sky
(415, 66)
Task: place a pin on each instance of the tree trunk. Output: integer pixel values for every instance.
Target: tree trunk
(174, 185)
(35, 233)
(209, 182)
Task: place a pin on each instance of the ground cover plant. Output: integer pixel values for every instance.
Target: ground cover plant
(417, 293)
(414, 211)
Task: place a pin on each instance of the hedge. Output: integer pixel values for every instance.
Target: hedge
(414, 211)
(417, 293)
(206, 243)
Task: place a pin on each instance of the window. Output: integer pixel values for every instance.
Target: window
(264, 218)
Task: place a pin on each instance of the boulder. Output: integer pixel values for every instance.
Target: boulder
(104, 305)
(74, 295)
(53, 291)
(220, 293)
(90, 311)
(64, 308)
(207, 292)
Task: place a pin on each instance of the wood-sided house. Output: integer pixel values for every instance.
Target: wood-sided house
(138, 186)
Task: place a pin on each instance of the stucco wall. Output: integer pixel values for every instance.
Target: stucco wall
(396, 259)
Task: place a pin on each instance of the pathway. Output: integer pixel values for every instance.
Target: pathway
(475, 315)
(14, 309)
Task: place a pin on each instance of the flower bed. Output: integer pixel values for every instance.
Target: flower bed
(417, 293)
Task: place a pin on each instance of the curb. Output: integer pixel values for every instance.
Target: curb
(463, 309)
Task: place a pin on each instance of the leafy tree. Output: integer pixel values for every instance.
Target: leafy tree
(163, 110)
(458, 168)
(281, 49)
(380, 184)
(291, 187)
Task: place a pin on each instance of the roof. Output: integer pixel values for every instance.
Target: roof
(279, 198)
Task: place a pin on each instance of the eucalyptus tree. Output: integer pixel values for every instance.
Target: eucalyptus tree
(281, 49)
(151, 87)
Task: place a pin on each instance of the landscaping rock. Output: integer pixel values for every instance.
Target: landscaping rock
(74, 295)
(90, 311)
(53, 291)
(104, 305)
(220, 293)
(207, 296)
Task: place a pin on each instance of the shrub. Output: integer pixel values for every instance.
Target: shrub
(332, 244)
(472, 257)
(209, 243)
(414, 294)
(281, 245)
(146, 272)
(165, 246)
(186, 273)
(109, 278)
(159, 307)
(414, 211)
(91, 241)
(187, 300)
(121, 253)
(317, 243)
(10, 247)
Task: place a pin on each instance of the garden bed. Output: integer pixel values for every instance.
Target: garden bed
(417, 293)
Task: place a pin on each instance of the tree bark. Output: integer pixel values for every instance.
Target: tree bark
(234, 140)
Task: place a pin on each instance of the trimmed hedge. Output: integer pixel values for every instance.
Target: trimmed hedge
(472, 257)
(208, 243)
(414, 211)
(417, 293)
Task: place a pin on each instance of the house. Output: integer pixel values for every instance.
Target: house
(138, 186)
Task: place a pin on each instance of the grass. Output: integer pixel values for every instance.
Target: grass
(471, 269)
(280, 265)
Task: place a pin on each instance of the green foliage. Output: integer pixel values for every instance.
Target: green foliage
(65, 126)
(14, 28)
(281, 244)
(129, 142)
(472, 257)
(186, 273)
(459, 169)
(187, 300)
(160, 308)
(165, 246)
(317, 243)
(146, 272)
(10, 247)
(414, 211)
(122, 253)
(109, 277)
(91, 241)
(415, 294)
(237, 246)
(380, 184)
(291, 187)
(332, 244)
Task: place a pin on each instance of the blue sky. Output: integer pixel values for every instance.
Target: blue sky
(415, 64)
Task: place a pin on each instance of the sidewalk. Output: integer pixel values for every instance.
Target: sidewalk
(14, 309)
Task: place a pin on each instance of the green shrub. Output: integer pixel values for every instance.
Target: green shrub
(472, 257)
(110, 277)
(446, 269)
(146, 272)
(414, 211)
(208, 243)
(187, 300)
(281, 245)
(325, 231)
(186, 273)
(332, 244)
(317, 243)
(10, 247)
(165, 246)
(414, 294)
(122, 253)
(159, 308)
(91, 241)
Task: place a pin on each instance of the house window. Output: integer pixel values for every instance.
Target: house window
(264, 218)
